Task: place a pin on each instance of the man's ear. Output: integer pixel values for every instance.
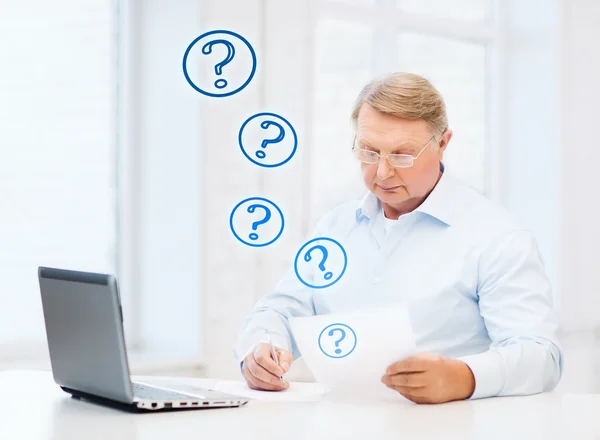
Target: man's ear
(444, 141)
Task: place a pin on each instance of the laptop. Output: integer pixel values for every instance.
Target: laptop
(84, 327)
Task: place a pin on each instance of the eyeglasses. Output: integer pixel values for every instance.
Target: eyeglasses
(395, 160)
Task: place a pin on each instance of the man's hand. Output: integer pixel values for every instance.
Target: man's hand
(430, 378)
(262, 373)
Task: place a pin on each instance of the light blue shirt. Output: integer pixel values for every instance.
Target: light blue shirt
(471, 277)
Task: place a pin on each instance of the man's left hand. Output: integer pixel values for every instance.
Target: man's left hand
(430, 378)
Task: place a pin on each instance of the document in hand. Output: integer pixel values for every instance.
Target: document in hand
(349, 352)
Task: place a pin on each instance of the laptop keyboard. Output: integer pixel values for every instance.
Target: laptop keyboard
(145, 392)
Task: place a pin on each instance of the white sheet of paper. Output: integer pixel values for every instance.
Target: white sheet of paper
(381, 336)
(297, 392)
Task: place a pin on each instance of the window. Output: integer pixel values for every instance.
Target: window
(57, 152)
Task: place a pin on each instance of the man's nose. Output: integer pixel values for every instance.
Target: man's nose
(384, 169)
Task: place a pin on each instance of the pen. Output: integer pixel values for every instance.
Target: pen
(273, 352)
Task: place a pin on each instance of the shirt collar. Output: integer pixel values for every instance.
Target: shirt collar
(439, 204)
(368, 207)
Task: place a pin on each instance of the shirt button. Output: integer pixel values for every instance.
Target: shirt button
(376, 280)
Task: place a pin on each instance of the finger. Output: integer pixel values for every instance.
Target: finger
(285, 359)
(250, 379)
(262, 374)
(257, 384)
(416, 364)
(412, 365)
(411, 392)
(409, 380)
(262, 356)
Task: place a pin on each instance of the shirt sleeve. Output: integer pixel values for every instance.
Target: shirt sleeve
(516, 304)
(290, 298)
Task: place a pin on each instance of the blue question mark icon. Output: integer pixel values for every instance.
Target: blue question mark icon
(337, 343)
(207, 50)
(266, 124)
(323, 249)
(256, 224)
(334, 351)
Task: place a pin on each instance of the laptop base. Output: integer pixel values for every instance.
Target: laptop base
(134, 408)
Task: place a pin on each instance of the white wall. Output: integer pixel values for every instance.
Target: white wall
(530, 148)
(160, 189)
(552, 150)
(580, 156)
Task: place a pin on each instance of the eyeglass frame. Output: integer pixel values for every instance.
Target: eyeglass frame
(379, 156)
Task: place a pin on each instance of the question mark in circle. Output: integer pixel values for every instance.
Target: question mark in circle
(337, 343)
(266, 124)
(251, 209)
(307, 258)
(207, 50)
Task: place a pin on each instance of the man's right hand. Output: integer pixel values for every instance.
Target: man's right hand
(262, 373)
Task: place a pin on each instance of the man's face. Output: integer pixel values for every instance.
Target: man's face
(399, 187)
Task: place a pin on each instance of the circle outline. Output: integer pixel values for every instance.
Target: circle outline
(342, 325)
(334, 281)
(263, 200)
(263, 164)
(215, 95)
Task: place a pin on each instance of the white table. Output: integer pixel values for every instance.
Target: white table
(32, 407)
